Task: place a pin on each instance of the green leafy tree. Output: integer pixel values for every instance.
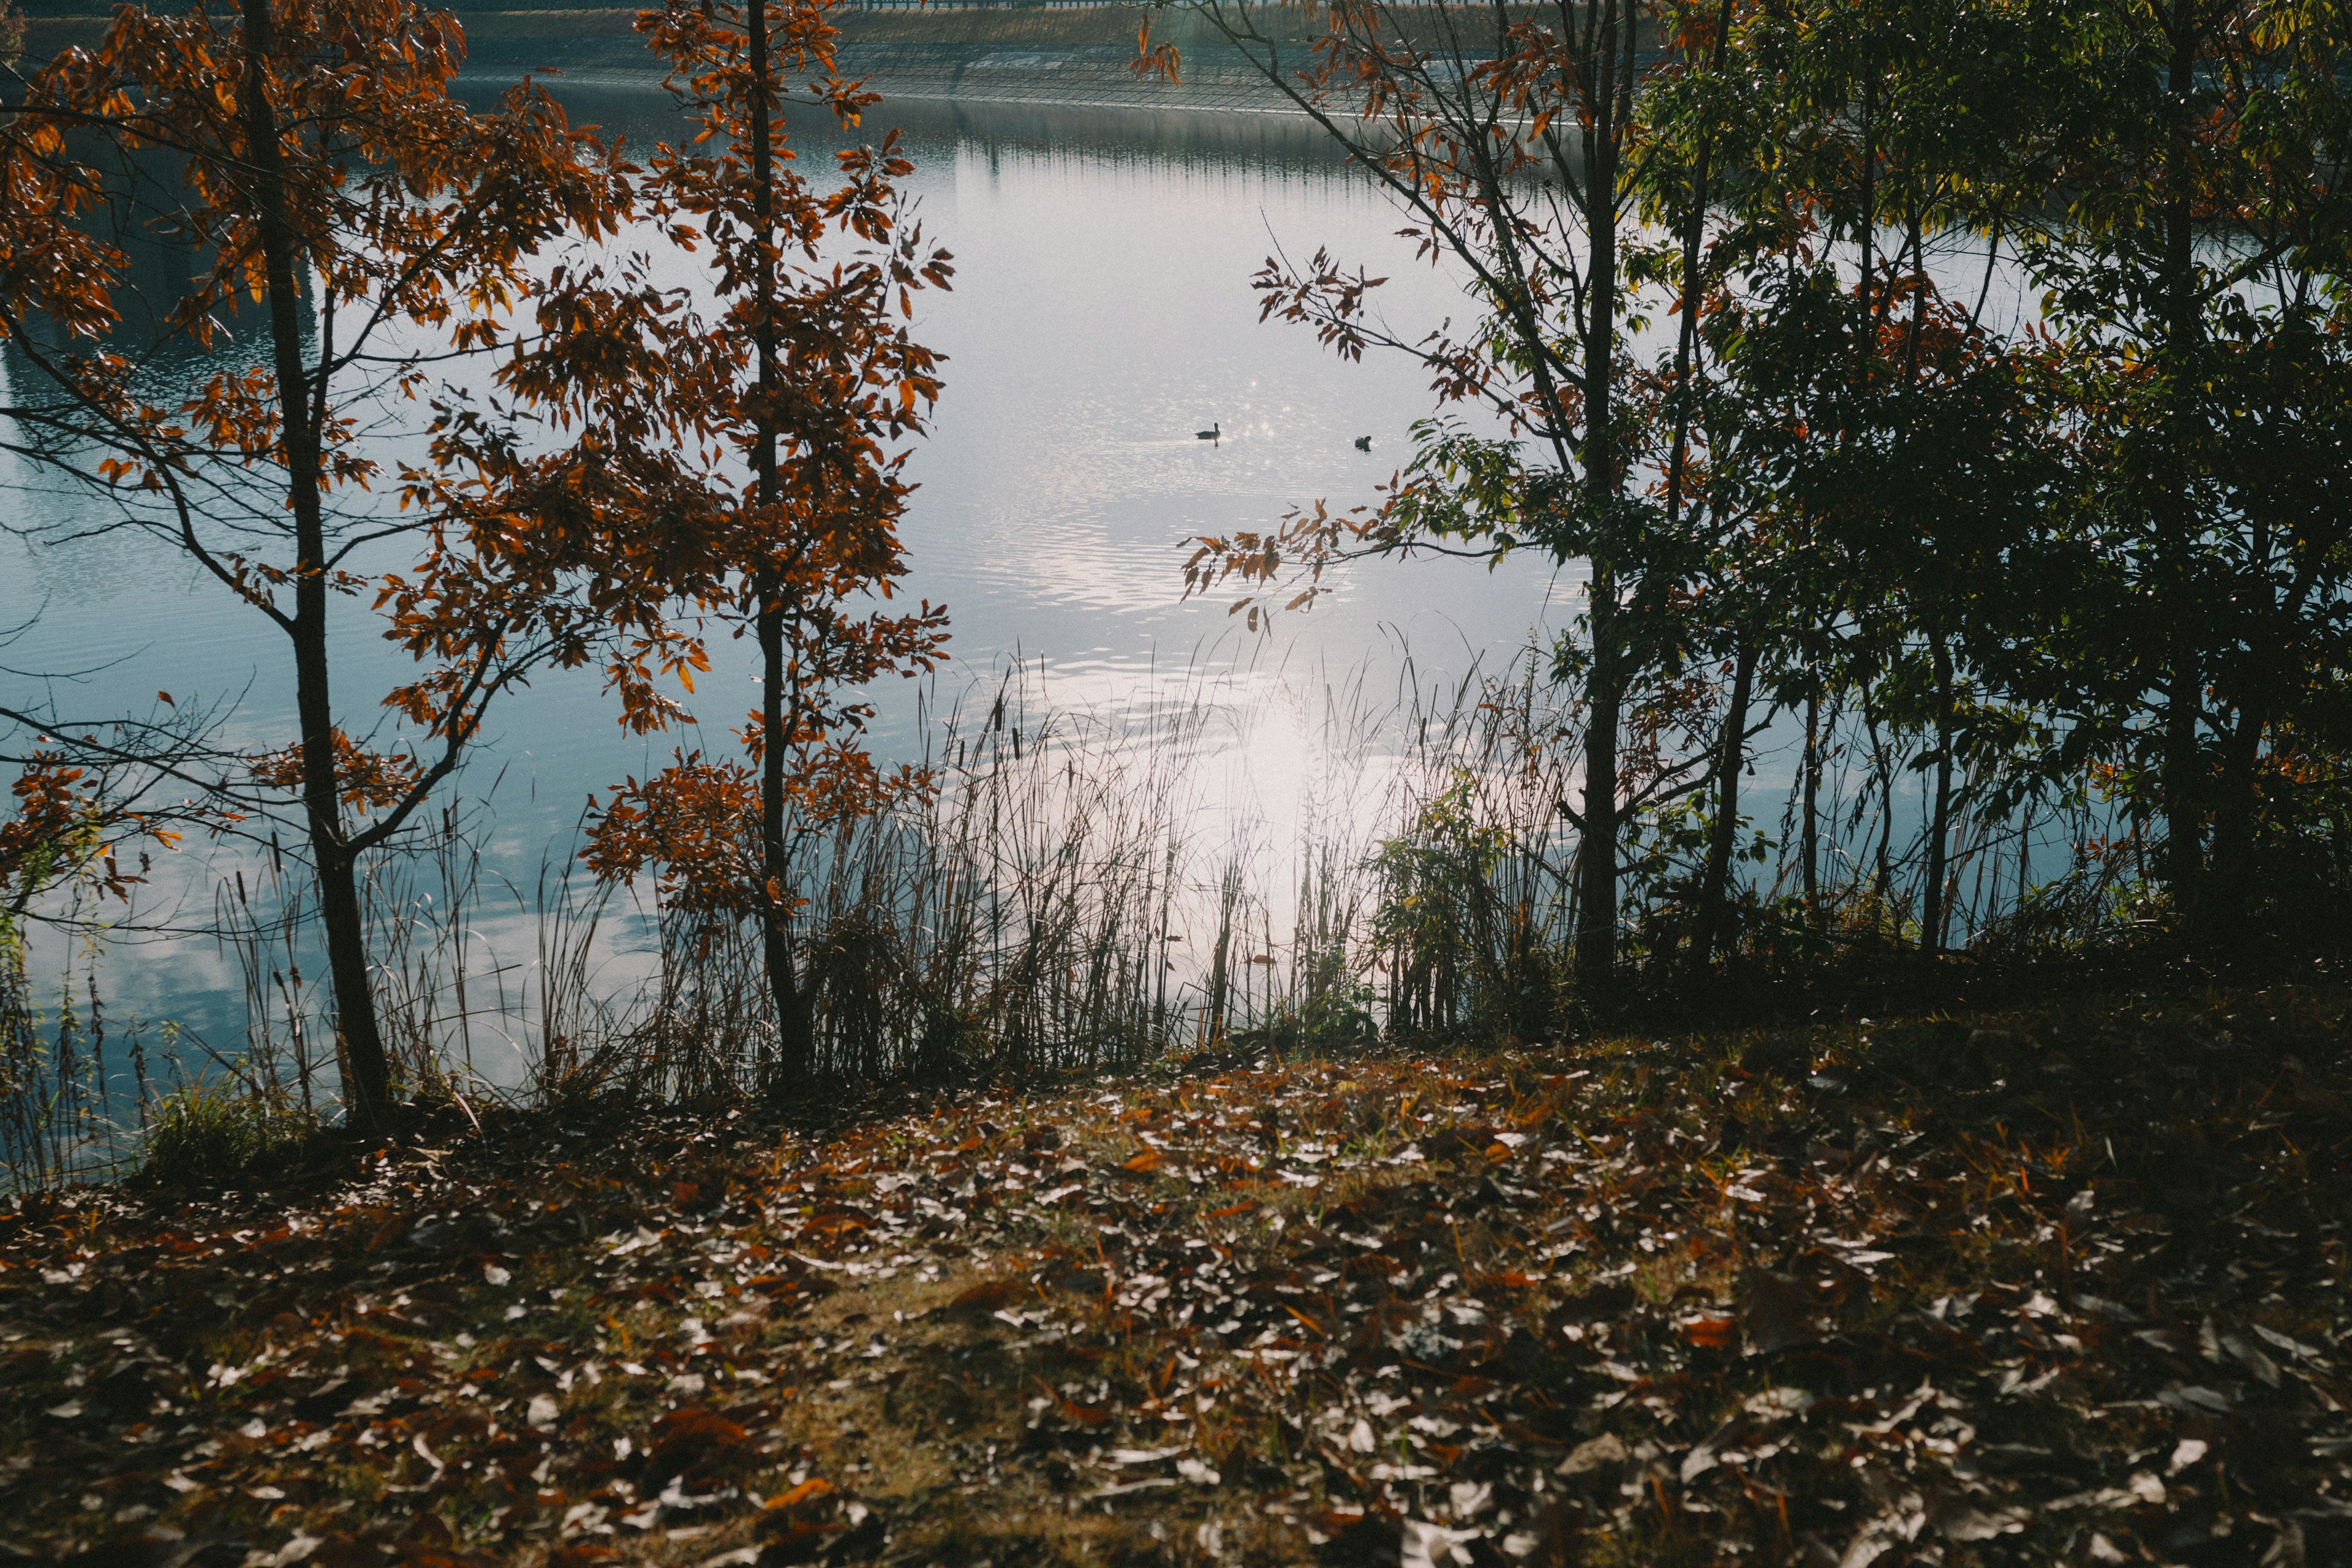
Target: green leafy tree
(1508, 138)
(2202, 259)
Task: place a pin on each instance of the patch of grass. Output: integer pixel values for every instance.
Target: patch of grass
(209, 1135)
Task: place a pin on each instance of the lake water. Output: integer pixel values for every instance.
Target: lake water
(1101, 314)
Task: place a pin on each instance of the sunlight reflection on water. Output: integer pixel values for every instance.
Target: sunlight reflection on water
(1102, 313)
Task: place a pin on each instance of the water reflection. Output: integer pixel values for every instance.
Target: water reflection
(1102, 313)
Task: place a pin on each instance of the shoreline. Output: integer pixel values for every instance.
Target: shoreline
(1011, 94)
(1063, 58)
(1081, 81)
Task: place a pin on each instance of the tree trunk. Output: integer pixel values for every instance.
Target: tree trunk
(1810, 826)
(2184, 680)
(1687, 337)
(366, 1068)
(1596, 901)
(1867, 279)
(794, 1031)
(1882, 877)
(1933, 912)
(2230, 878)
(1732, 754)
(1596, 923)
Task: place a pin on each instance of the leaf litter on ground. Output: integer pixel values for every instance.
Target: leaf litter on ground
(2063, 1287)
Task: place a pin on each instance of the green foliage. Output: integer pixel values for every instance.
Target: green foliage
(207, 1134)
(2084, 576)
(1666, 857)
(2039, 585)
(1454, 927)
(1327, 1021)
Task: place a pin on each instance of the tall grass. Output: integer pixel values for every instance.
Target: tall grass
(70, 1084)
(1015, 918)
(1070, 897)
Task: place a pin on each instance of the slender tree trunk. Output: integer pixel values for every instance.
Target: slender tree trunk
(1882, 881)
(366, 1068)
(2184, 680)
(2230, 877)
(1809, 833)
(1934, 915)
(794, 1031)
(1732, 754)
(1686, 339)
(1869, 235)
(1596, 901)
(794, 1044)
(1596, 928)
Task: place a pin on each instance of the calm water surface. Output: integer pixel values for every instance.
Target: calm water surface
(1101, 314)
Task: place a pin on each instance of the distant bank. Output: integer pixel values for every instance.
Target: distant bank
(1075, 55)
(1079, 55)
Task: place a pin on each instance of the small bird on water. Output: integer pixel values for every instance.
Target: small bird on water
(1363, 443)
(1214, 432)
